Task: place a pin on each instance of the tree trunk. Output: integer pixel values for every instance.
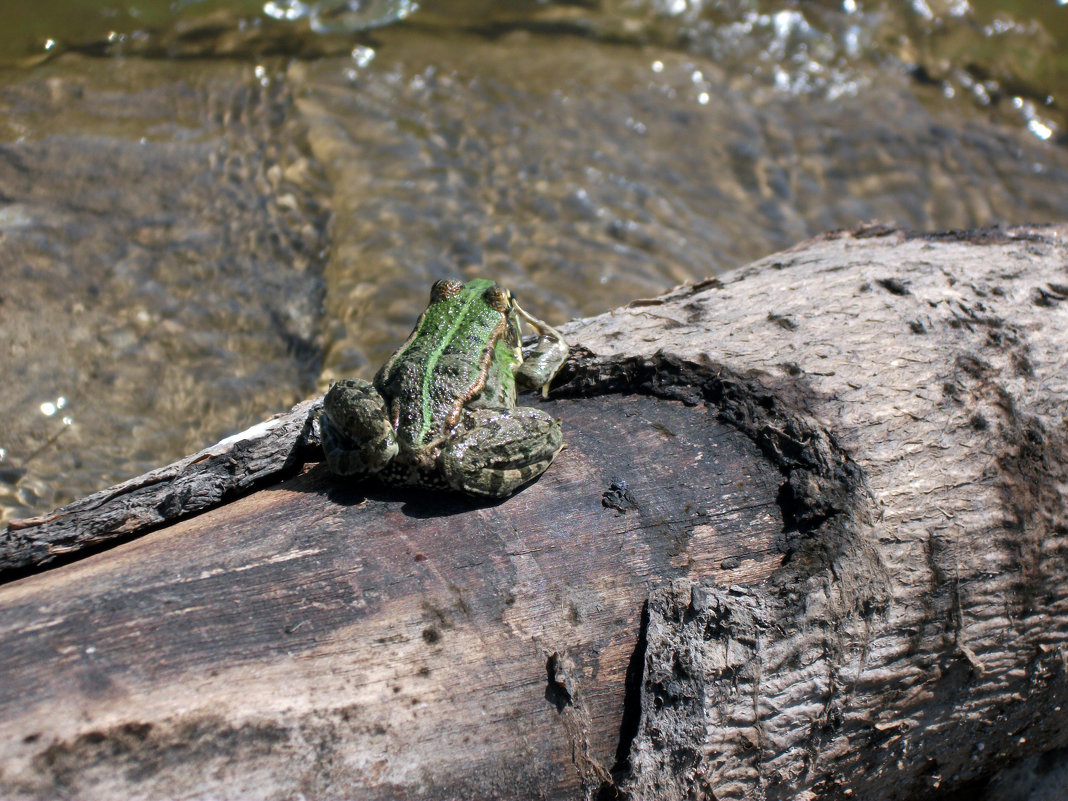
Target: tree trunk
(808, 540)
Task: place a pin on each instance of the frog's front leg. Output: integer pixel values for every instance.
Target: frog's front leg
(544, 360)
(499, 450)
(356, 434)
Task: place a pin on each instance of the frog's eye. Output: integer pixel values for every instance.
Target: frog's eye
(498, 298)
(445, 289)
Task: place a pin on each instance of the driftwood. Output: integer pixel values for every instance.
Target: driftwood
(808, 540)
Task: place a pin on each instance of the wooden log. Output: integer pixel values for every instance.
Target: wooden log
(808, 540)
(362, 619)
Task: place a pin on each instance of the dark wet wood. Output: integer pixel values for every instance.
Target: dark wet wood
(346, 640)
(198, 482)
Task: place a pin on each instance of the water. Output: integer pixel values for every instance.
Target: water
(209, 210)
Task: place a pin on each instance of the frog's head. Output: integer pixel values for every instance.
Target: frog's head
(496, 297)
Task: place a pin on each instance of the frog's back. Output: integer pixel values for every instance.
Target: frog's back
(441, 366)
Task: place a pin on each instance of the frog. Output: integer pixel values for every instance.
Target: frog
(441, 412)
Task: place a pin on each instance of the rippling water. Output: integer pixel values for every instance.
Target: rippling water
(209, 210)
(1008, 56)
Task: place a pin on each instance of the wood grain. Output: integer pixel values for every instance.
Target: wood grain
(344, 640)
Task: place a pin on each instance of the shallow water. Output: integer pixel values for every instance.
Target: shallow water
(188, 244)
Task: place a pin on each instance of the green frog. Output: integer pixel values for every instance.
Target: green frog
(441, 412)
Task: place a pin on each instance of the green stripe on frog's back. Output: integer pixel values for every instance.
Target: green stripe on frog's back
(456, 367)
(442, 363)
(435, 322)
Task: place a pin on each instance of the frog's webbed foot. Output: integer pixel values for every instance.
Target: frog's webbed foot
(500, 450)
(356, 434)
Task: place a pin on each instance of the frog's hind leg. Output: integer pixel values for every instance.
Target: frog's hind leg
(500, 450)
(356, 434)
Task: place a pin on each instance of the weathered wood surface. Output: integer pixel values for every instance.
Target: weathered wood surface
(347, 641)
(917, 640)
(897, 408)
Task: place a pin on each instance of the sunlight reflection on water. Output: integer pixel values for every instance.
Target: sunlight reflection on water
(179, 283)
(344, 17)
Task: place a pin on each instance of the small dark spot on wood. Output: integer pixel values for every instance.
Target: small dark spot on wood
(420, 557)
(1022, 364)
(873, 230)
(664, 430)
(998, 291)
(695, 312)
(865, 287)
(972, 365)
(558, 687)
(917, 327)
(93, 738)
(978, 422)
(1001, 339)
(423, 672)
(706, 283)
(782, 321)
(31, 738)
(670, 323)
(807, 499)
(439, 615)
(618, 497)
(431, 635)
(1045, 298)
(1059, 289)
(730, 563)
(573, 616)
(396, 690)
(894, 286)
(1006, 401)
(792, 369)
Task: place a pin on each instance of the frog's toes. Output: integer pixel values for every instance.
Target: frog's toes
(500, 450)
(356, 434)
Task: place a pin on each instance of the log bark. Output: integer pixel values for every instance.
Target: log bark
(809, 540)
